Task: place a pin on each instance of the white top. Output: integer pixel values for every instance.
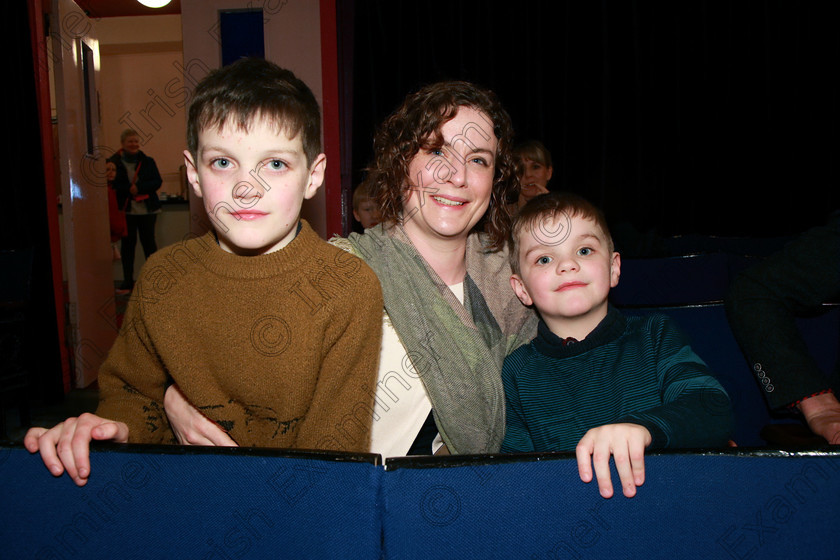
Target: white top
(401, 404)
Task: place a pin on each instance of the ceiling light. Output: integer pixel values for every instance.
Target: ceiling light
(154, 3)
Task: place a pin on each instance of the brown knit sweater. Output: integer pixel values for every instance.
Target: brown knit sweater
(280, 350)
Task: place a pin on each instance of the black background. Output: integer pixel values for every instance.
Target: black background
(678, 117)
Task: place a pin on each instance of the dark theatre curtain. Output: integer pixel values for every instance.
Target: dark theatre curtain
(689, 117)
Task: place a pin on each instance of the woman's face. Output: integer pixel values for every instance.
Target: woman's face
(131, 144)
(534, 178)
(450, 187)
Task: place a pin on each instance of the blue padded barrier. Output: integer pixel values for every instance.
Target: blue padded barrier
(222, 504)
(711, 338)
(167, 502)
(729, 506)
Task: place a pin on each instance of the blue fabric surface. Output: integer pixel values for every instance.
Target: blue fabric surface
(226, 505)
(222, 506)
(691, 506)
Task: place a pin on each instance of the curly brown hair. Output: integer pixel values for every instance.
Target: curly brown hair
(416, 125)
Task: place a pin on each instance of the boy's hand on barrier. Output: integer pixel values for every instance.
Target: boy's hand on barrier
(626, 443)
(67, 445)
(822, 412)
(189, 425)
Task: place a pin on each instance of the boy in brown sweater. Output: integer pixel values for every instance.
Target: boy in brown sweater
(264, 327)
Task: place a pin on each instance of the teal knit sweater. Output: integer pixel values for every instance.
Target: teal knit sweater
(639, 370)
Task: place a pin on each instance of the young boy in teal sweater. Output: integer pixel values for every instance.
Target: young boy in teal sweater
(594, 380)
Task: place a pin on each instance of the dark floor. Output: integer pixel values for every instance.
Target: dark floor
(74, 403)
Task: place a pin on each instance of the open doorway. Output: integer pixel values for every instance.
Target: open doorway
(96, 90)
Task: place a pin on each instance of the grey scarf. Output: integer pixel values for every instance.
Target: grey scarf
(457, 350)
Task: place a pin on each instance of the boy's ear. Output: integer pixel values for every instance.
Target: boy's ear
(519, 289)
(615, 270)
(317, 171)
(192, 173)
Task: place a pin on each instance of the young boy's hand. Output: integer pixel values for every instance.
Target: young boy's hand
(67, 445)
(626, 443)
(189, 425)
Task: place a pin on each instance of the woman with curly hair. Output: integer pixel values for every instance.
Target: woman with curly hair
(442, 173)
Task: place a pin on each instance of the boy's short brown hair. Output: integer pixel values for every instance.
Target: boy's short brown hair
(546, 207)
(251, 88)
(417, 124)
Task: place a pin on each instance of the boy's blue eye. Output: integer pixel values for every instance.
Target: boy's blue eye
(544, 260)
(276, 164)
(221, 163)
(584, 251)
